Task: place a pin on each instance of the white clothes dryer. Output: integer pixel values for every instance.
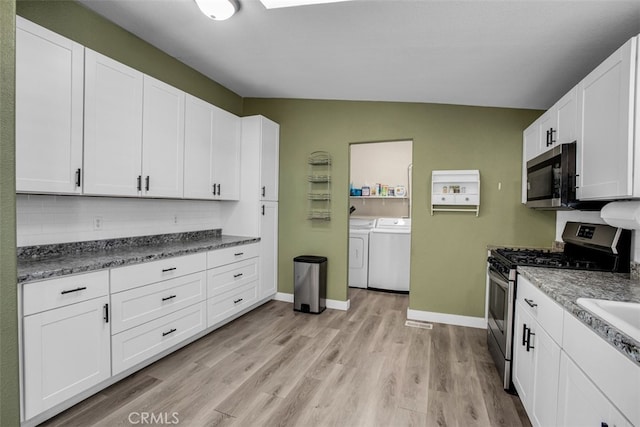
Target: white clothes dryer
(390, 254)
(359, 229)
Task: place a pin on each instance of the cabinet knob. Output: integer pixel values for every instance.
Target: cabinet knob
(530, 303)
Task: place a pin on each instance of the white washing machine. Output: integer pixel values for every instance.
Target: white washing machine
(390, 254)
(359, 229)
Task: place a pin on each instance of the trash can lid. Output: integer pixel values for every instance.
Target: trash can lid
(312, 259)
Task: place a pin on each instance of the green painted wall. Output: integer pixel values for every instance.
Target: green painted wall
(9, 394)
(78, 23)
(448, 258)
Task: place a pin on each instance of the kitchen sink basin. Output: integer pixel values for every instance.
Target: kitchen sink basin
(624, 316)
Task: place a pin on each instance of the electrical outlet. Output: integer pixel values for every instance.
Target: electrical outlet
(97, 223)
(175, 219)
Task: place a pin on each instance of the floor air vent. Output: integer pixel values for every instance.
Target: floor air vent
(421, 325)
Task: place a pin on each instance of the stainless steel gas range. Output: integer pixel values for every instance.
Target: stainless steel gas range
(596, 247)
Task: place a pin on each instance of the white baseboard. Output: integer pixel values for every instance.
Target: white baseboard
(281, 296)
(331, 303)
(448, 319)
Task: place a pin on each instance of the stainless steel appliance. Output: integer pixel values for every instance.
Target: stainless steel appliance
(595, 247)
(551, 178)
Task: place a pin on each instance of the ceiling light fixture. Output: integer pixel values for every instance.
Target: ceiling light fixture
(217, 9)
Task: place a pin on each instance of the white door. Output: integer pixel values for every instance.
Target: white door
(226, 168)
(605, 152)
(66, 351)
(49, 99)
(270, 135)
(162, 139)
(580, 403)
(546, 368)
(567, 117)
(548, 130)
(530, 149)
(198, 149)
(112, 127)
(268, 249)
(523, 361)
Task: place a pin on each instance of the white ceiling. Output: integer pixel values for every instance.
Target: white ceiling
(503, 53)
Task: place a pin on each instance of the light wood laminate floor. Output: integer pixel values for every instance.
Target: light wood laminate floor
(275, 367)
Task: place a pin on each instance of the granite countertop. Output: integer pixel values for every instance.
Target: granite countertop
(49, 261)
(566, 286)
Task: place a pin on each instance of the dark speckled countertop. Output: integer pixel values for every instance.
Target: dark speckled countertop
(566, 286)
(48, 261)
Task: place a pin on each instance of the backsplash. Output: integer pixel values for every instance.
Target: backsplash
(43, 219)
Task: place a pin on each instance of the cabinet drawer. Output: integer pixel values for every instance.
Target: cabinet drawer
(137, 306)
(542, 308)
(129, 277)
(54, 293)
(231, 276)
(467, 199)
(226, 305)
(139, 344)
(228, 255)
(444, 199)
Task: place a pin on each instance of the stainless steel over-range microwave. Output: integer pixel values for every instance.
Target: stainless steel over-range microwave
(551, 178)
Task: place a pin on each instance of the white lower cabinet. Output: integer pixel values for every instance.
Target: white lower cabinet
(80, 331)
(138, 344)
(536, 354)
(136, 306)
(564, 373)
(223, 306)
(66, 351)
(581, 403)
(536, 367)
(233, 281)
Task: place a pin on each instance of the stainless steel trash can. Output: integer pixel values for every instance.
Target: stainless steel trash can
(310, 284)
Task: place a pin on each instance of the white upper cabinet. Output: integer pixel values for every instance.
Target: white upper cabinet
(566, 118)
(211, 152)
(198, 149)
(606, 104)
(226, 167)
(269, 159)
(49, 97)
(112, 128)
(162, 139)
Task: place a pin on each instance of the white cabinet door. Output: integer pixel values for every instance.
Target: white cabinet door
(548, 130)
(49, 99)
(566, 110)
(268, 249)
(606, 105)
(66, 351)
(545, 385)
(523, 358)
(226, 167)
(269, 159)
(162, 139)
(112, 127)
(198, 149)
(211, 152)
(530, 149)
(580, 403)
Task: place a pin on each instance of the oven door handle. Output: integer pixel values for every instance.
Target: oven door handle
(504, 284)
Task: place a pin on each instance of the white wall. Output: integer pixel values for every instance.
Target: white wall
(380, 162)
(60, 219)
